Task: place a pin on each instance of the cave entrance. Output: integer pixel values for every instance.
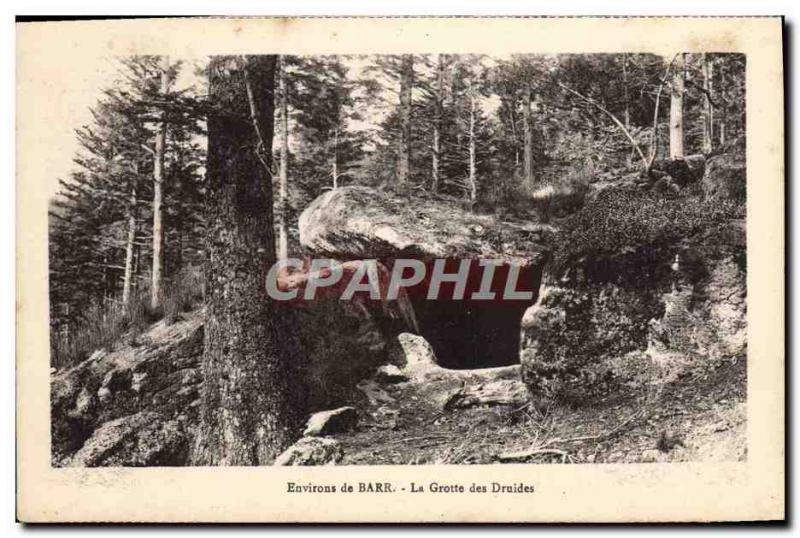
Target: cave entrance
(468, 334)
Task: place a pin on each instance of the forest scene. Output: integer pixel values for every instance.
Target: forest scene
(612, 185)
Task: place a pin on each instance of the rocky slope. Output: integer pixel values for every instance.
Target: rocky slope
(132, 405)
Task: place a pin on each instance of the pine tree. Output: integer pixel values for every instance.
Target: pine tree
(404, 146)
(99, 229)
(283, 189)
(158, 180)
(676, 108)
(251, 404)
(328, 152)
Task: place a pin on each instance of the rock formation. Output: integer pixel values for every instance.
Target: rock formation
(364, 223)
(637, 299)
(355, 223)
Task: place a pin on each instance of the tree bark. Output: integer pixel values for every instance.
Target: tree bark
(654, 144)
(283, 187)
(437, 124)
(527, 153)
(253, 396)
(127, 282)
(335, 163)
(676, 109)
(404, 147)
(158, 181)
(473, 179)
(515, 136)
(723, 117)
(708, 109)
(626, 97)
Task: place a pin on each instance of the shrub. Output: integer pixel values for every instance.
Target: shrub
(563, 196)
(625, 233)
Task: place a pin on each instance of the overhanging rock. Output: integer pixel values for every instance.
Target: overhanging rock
(364, 223)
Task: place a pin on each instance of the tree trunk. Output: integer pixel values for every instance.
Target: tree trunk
(283, 189)
(137, 257)
(437, 124)
(528, 136)
(252, 400)
(676, 110)
(158, 181)
(127, 283)
(626, 97)
(473, 180)
(335, 164)
(723, 117)
(708, 110)
(515, 137)
(435, 158)
(627, 111)
(404, 148)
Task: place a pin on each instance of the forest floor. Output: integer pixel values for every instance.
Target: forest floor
(699, 417)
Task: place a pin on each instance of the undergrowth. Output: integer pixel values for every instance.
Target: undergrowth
(104, 324)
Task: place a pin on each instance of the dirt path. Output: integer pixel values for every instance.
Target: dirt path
(697, 418)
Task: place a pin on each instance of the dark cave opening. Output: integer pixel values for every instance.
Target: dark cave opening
(469, 333)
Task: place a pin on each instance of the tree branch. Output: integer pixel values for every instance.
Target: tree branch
(254, 117)
(616, 120)
(706, 92)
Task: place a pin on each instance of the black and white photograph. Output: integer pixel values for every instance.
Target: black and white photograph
(607, 190)
(346, 262)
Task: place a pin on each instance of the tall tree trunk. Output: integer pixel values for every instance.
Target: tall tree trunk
(137, 257)
(723, 116)
(127, 282)
(708, 110)
(436, 149)
(627, 112)
(515, 137)
(283, 188)
(437, 124)
(527, 150)
(335, 164)
(626, 97)
(404, 148)
(676, 109)
(473, 179)
(252, 400)
(158, 184)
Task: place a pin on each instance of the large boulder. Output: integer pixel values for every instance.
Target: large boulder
(674, 174)
(143, 439)
(570, 337)
(364, 223)
(725, 177)
(644, 287)
(357, 223)
(130, 405)
(344, 341)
